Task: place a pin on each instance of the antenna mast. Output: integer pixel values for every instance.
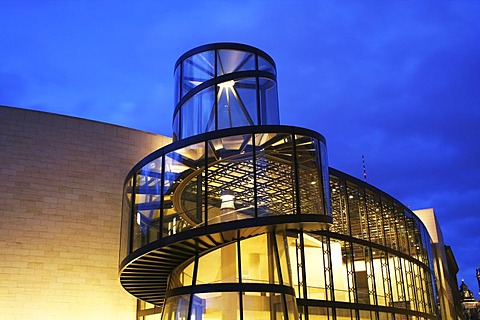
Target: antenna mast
(364, 168)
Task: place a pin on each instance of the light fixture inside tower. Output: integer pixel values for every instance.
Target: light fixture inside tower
(227, 84)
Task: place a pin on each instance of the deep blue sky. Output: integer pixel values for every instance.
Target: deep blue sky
(396, 81)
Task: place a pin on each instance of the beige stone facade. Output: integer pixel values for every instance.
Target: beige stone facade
(61, 182)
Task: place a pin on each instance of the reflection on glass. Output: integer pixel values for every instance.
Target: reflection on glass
(229, 61)
(268, 101)
(146, 213)
(218, 305)
(197, 69)
(176, 308)
(198, 113)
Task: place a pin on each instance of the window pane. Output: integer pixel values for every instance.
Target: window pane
(183, 200)
(198, 113)
(310, 182)
(197, 69)
(218, 305)
(268, 101)
(276, 194)
(258, 265)
(218, 266)
(229, 61)
(230, 179)
(146, 219)
(263, 306)
(176, 308)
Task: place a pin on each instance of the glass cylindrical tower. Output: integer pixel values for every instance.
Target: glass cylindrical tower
(224, 85)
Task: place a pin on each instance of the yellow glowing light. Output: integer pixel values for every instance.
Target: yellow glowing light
(227, 84)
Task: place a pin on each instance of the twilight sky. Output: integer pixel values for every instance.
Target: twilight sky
(398, 82)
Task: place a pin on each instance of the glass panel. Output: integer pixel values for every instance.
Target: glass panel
(176, 126)
(319, 313)
(217, 305)
(403, 245)
(264, 65)
(357, 212)
(182, 275)
(218, 266)
(146, 219)
(126, 214)
(263, 306)
(309, 166)
(340, 216)
(385, 316)
(229, 61)
(176, 308)
(230, 179)
(176, 90)
(389, 228)
(362, 271)
(342, 270)
(322, 150)
(198, 113)
(375, 221)
(284, 261)
(291, 307)
(345, 314)
(268, 101)
(367, 315)
(258, 264)
(275, 174)
(183, 189)
(314, 268)
(197, 69)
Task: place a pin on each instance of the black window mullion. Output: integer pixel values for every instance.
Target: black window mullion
(304, 272)
(205, 181)
(132, 213)
(257, 80)
(162, 201)
(295, 170)
(254, 159)
(239, 261)
(194, 282)
(216, 89)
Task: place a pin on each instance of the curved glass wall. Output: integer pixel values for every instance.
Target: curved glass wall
(224, 177)
(256, 271)
(223, 86)
(373, 263)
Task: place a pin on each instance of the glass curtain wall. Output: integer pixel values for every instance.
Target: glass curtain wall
(226, 178)
(258, 268)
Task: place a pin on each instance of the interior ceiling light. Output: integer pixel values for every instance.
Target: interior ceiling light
(227, 84)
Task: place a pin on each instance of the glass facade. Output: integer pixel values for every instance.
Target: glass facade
(242, 219)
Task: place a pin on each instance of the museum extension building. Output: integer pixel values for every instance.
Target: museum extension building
(235, 217)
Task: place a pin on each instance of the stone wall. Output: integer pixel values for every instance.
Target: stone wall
(60, 207)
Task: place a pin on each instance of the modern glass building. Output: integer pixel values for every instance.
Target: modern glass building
(241, 217)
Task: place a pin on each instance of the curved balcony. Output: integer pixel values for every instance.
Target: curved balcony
(211, 189)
